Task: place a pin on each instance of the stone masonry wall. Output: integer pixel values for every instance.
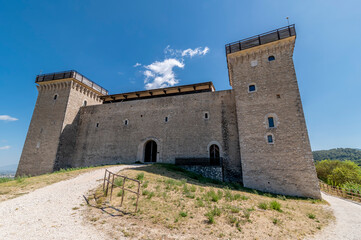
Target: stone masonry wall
(211, 172)
(187, 134)
(286, 166)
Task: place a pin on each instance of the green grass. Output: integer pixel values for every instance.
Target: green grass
(263, 205)
(275, 206)
(140, 177)
(311, 216)
(6, 179)
(183, 214)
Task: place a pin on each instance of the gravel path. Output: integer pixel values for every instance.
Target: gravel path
(47, 213)
(348, 220)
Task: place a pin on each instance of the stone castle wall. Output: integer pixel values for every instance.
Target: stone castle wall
(285, 166)
(103, 138)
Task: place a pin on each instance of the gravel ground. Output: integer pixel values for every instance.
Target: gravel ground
(348, 220)
(47, 213)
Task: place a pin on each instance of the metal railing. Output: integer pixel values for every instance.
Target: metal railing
(109, 179)
(341, 192)
(70, 74)
(199, 161)
(263, 38)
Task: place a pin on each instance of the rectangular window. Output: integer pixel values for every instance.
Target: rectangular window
(270, 139)
(271, 122)
(252, 88)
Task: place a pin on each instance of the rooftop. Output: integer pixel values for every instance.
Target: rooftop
(71, 74)
(160, 92)
(261, 39)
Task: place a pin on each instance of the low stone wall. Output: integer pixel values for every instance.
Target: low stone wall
(213, 172)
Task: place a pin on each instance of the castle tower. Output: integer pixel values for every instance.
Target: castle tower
(60, 97)
(275, 149)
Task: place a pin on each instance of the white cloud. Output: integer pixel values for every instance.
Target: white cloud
(7, 118)
(137, 65)
(160, 74)
(4, 147)
(194, 52)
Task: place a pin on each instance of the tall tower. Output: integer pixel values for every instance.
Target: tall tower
(53, 126)
(275, 149)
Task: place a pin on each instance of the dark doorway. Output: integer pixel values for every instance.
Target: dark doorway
(214, 154)
(150, 154)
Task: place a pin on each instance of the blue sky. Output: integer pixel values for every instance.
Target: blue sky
(104, 40)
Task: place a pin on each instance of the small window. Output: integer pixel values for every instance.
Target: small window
(85, 103)
(251, 88)
(271, 58)
(271, 122)
(269, 138)
(126, 122)
(55, 96)
(97, 125)
(206, 115)
(166, 119)
(278, 95)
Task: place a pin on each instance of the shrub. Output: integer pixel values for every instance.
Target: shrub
(311, 216)
(244, 197)
(145, 192)
(119, 194)
(140, 176)
(275, 206)
(246, 213)
(263, 205)
(193, 188)
(200, 203)
(275, 221)
(337, 173)
(150, 195)
(183, 214)
(211, 195)
(232, 219)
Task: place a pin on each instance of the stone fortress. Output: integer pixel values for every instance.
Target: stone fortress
(255, 131)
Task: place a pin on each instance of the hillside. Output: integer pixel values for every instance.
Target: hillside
(176, 204)
(339, 154)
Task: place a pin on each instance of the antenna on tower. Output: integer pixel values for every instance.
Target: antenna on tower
(288, 21)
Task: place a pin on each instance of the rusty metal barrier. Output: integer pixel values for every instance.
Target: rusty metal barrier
(341, 192)
(109, 179)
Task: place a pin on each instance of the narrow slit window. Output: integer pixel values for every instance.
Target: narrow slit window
(270, 139)
(126, 122)
(251, 88)
(97, 125)
(166, 119)
(55, 96)
(271, 122)
(271, 58)
(206, 115)
(85, 103)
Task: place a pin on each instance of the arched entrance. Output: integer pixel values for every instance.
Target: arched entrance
(214, 154)
(150, 152)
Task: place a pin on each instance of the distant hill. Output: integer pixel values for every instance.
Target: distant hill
(342, 154)
(8, 169)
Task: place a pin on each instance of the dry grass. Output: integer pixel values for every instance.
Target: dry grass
(23, 185)
(180, 205)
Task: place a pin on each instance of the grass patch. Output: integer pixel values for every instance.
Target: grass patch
(275, 206)
(263, 205)
(311, 216)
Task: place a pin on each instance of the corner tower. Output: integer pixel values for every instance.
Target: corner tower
(275, 149)
(60, 97)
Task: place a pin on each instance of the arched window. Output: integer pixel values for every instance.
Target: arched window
(214, 152)
(85, 103)
(271, 58)
(55, 96)
(271, 122)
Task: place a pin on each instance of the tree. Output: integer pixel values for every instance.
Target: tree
(337, 172)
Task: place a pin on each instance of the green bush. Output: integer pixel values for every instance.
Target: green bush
(140, 176)
(263, 205)
(354, 187)
(183, 214)
(275, 206)
(311, 216)
(337, 173)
